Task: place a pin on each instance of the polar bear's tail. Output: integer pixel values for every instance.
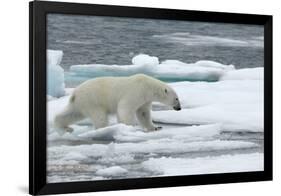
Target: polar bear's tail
(72, 99)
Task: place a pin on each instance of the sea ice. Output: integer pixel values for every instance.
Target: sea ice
(234, 117)
(112, 171)
(54, 57)
(167, 166)
(194, 94)
(155, 146)
(236, 104)
(244, 74)
(145, 60)
(55, 106)
(190, 141)
(55, 74)
(124, 133)
(168, 70)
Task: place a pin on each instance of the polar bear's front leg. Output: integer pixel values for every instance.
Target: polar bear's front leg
(144, 117)
(125, 114)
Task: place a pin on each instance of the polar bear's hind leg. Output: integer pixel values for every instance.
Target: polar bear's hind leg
(66, 118)
(99, 118)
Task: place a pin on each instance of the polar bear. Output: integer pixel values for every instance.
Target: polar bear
(128, 97)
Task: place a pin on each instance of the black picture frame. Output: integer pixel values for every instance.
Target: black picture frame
(37, 97)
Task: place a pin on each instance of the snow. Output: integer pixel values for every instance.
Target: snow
(59, 178)
(235, 117)
(49, 98)
(244, 74)
(55, 106)
(145, 60)
(112, 171)
(74, 156)
(197, 138)
(124, 133)
(167, 70)
(236, 104)
(110, 158)
(192, 141)
(54, 57)
(138, 153)
(55, 74)
(198, 71)
(194, 94)
(160, 146)
(205, 165)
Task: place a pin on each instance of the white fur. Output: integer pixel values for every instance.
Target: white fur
(128, 97)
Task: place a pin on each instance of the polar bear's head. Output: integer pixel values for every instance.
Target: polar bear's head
(169, 97)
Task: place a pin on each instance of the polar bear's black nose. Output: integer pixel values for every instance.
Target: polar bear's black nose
(177, 108)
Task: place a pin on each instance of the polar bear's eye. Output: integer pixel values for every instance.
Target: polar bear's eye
(166, 91)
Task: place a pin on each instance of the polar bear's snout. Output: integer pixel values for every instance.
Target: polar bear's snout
(177, 105)
(177, 108)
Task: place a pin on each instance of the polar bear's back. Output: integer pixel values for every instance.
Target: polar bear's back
(106, 92)
(96, 93)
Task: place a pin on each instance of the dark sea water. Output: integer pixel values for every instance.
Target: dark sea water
(113, 40)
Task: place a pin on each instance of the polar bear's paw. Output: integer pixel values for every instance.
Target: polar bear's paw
(69, 129)
(62, 131)
(157, 128)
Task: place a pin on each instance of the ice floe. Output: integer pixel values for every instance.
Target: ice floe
(124, 133)
(55, 106)
(180, 140)
(205, 165)
(136, 153)
(234, 117)
(191, 140)
(55, 73)
(144, 59)
(112, 171)
(168, 70)
(244, 74)
(236, 104)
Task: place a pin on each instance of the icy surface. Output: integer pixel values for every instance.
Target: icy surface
(205, 165)
(124, 133)
(112, 171)
(54, 57)
(168, 70)
(236, 104)
(155, 143)
(55, 74)
(244, 74)
(219, 129)
(121, 151)
(145, 60)
(229, 116)
(55, 106)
